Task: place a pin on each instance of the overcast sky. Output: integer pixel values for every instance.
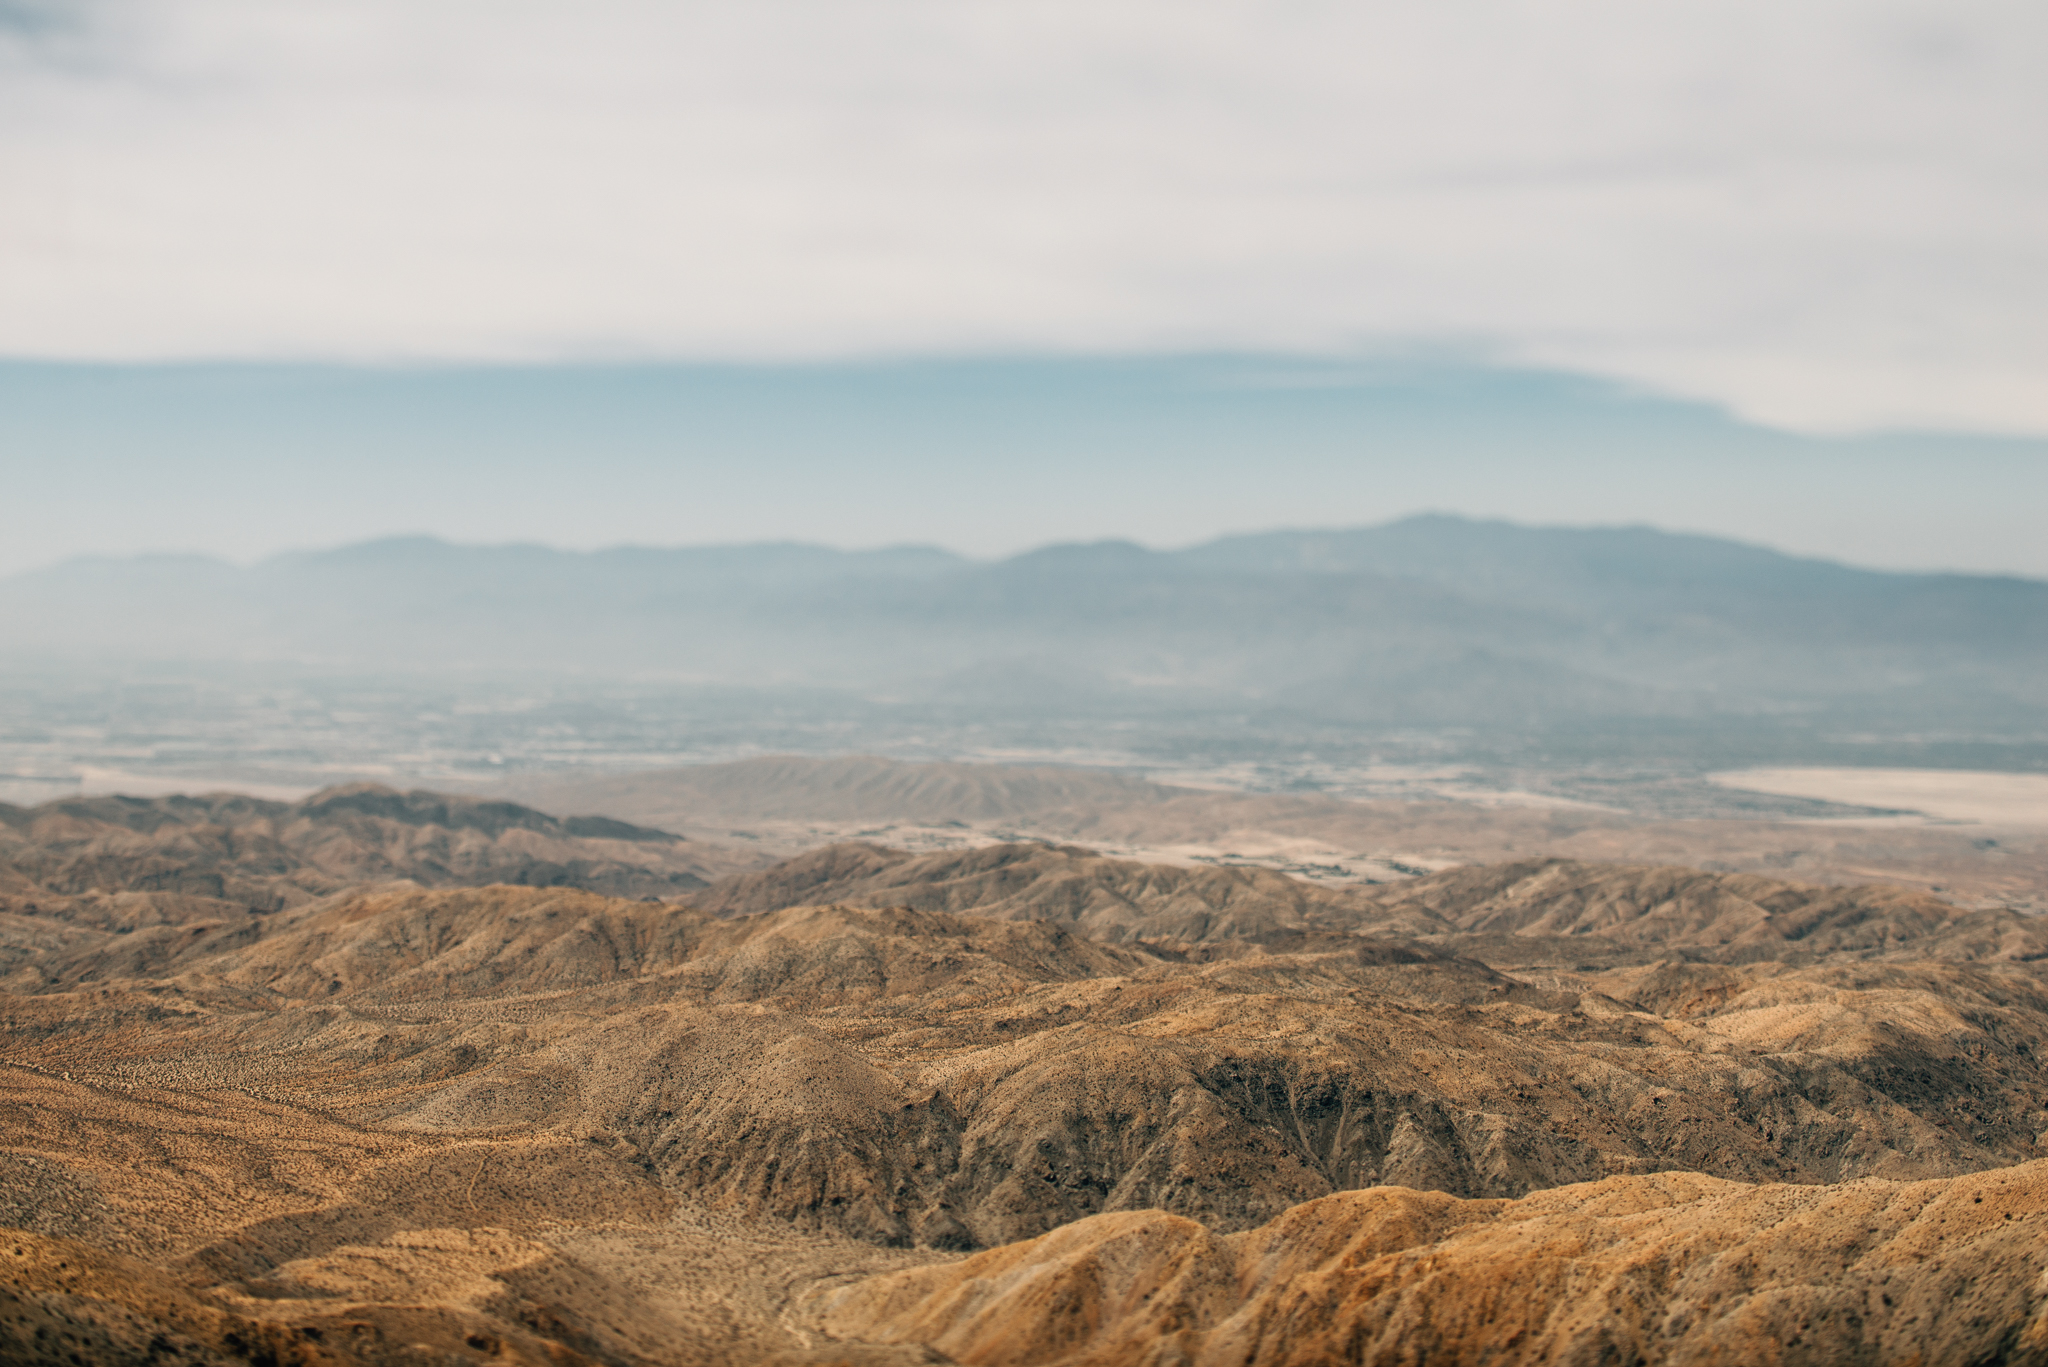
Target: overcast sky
(1826, 215)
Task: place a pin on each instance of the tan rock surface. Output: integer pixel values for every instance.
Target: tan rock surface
(1507, 913)
(1972, 863)
(117, 885)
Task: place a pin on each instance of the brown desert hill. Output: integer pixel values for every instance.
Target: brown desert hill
(1548, 1110)
(212, 1226)
(71, 1304)
(1534, 910)
(493, 942)
(1106, 899)
(916, 1077)
(850, 788)
(1538, 912)
(1662, 1269)
(119, 864)
(1970, 862)
(1673, 1268)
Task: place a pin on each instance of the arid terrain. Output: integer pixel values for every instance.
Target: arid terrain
(397, 1078)
(784, 805)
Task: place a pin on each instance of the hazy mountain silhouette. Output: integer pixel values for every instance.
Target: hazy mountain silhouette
(1429, 621)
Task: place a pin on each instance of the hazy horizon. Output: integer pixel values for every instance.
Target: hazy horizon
(965, 559)
(996, 278)
(984, 456)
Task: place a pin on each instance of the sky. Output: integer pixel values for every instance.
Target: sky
(986, 456)
(286, 273)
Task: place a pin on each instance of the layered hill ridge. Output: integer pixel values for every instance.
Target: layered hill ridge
(1429, 621)
(1107, 899)
(915, 1076)
(1508, 912)
(119, 889)
(1021, 1104)
(1661, 1269)
(117, 861)
(1535, 910)
(789, 804)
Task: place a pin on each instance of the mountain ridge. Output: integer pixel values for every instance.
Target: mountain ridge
(1388, 547)
(149, 874)
(1321, 625)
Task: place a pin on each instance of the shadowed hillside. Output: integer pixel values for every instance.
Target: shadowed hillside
(125, 864)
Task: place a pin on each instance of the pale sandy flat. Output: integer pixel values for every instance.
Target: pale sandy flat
(1943, 794)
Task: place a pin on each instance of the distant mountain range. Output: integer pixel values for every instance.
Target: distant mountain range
(1430, 621)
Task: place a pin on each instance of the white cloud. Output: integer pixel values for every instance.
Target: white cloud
(1825, 214)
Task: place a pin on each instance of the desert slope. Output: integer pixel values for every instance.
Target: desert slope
(1108, 899)
(266, 855)
(910, 1076)
(1020, 1104)
(1666, 1269)
(1544, 912)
